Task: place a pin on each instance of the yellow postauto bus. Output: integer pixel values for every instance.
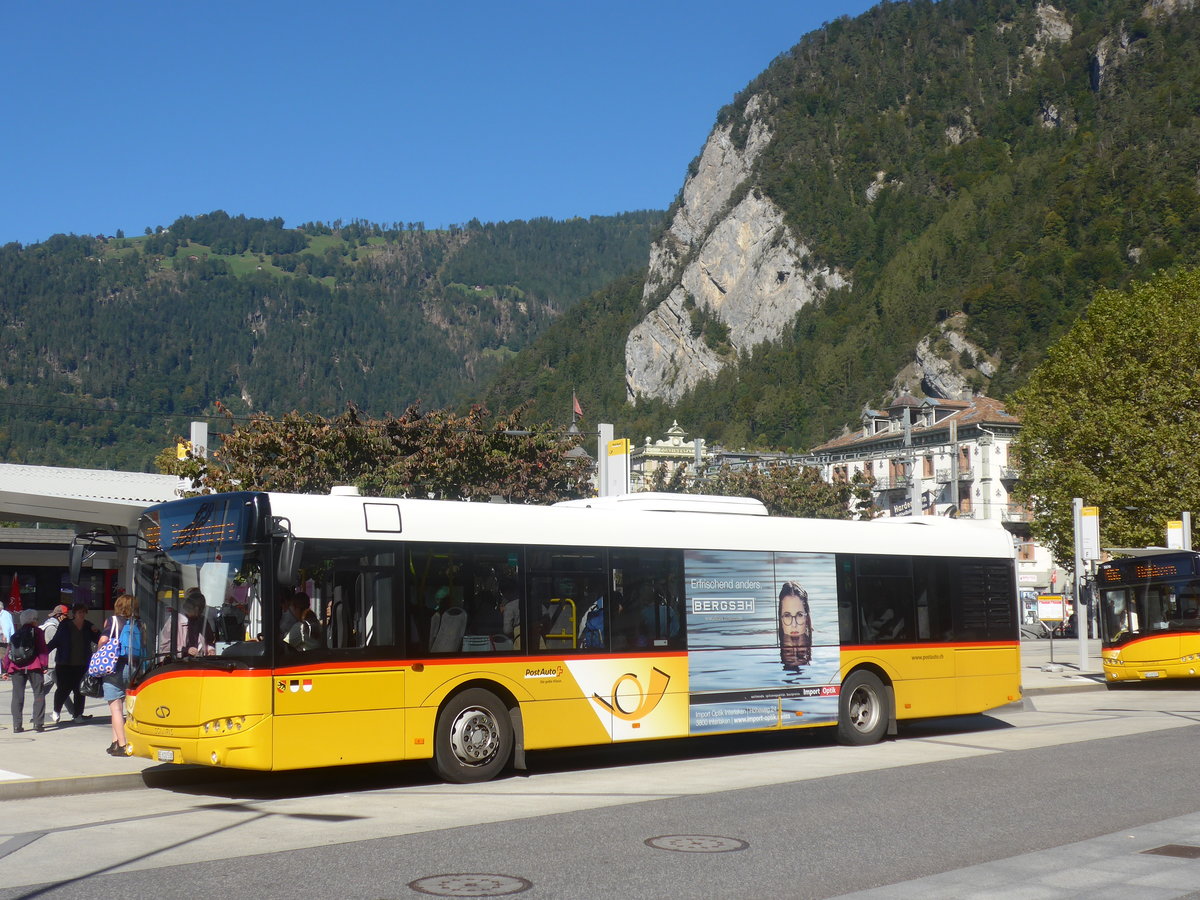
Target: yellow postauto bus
(1150, 617)
(296, 631)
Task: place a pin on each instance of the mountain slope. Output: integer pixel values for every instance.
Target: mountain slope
(110, 345)
(958, 177)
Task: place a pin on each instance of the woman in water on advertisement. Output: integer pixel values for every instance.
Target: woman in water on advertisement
(795, 627)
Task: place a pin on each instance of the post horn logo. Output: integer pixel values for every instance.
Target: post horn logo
(647, 699)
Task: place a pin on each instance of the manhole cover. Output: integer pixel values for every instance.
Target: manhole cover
(470, 885)
(1183, 851)
(696, 843)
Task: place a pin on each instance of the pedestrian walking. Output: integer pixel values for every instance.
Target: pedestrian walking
(25, 664)
(72, 648)
(57, 616)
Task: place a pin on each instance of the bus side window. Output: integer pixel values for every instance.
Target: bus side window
(885, 596)
(464, 598)
(645, 607)
(847, 600)
(569, 604)
(356, 598)
(931, 580)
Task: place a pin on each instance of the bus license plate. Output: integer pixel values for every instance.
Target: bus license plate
(166, 756)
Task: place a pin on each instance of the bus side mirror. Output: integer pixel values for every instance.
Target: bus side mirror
(287, 570)
(75, 563)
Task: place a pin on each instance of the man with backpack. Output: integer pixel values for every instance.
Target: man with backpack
(25, 664)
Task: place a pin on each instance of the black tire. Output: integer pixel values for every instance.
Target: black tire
(863, 710)
(473, 740)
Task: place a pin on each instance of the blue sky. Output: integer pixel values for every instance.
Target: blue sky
(130, 114)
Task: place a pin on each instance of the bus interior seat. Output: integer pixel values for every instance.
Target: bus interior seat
(447, 635)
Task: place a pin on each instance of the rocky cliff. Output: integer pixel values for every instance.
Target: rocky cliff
(727, 258)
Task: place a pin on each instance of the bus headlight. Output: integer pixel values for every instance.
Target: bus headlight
(1191, 657)
(225, 725)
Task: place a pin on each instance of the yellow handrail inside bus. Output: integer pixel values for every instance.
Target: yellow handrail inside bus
(560, 635)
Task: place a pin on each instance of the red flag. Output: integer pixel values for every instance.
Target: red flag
(14, 595)
(575, 406)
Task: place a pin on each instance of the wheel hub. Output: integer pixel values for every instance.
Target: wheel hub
(474, 736)
(863, 710)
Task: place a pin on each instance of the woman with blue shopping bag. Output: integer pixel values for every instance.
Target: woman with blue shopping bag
(118, 652)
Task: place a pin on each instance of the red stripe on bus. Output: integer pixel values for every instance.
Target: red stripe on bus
(359, 665)
(954, 645)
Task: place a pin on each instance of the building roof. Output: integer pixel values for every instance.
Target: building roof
(85, 496)
(983, 411)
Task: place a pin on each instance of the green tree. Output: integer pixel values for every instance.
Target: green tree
(1112, 416)
(430, 455)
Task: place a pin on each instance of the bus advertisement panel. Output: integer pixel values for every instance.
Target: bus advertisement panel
(763, 647)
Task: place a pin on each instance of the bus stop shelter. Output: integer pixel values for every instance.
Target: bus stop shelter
(79, 500)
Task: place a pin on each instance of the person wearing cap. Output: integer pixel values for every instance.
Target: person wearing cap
(30, 674)
(72, 647)
(57, 616)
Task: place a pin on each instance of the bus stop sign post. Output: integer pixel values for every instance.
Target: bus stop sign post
(1050, 609)
(1087, 550)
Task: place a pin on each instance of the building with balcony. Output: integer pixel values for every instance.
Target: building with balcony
(940, 457)
(937, 457)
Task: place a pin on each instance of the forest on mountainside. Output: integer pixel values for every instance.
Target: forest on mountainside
(111, 345)
(1015, 175)
(994, 162)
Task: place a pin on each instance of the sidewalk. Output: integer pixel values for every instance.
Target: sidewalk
(70, 758)
(66, 758)
(1051, 667)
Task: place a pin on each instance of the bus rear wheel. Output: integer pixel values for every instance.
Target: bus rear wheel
(862, 710)
(473, 741)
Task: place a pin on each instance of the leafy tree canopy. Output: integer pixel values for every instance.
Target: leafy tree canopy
(429, 455)
(1112, 417)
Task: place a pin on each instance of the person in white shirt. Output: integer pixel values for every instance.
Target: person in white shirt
(6, 630)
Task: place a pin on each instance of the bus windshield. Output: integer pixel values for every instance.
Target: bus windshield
(199, 581)
(1135, 611)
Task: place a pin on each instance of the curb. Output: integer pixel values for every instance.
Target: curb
(152, 777)
(1062, 689)
(27, 788)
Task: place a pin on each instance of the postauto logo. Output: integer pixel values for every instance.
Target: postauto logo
(630, 701)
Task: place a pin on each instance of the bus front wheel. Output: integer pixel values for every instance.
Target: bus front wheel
(862, 710)
(474, 737)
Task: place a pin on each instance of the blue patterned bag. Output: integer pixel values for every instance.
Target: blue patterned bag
(104, 660)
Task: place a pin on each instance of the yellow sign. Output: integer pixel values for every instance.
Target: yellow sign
(619, 447)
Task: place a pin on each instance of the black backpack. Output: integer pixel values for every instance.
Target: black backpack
(22, 648)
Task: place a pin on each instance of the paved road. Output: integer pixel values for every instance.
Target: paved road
(966, 806)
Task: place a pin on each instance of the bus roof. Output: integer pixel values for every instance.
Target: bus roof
(618, 524)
